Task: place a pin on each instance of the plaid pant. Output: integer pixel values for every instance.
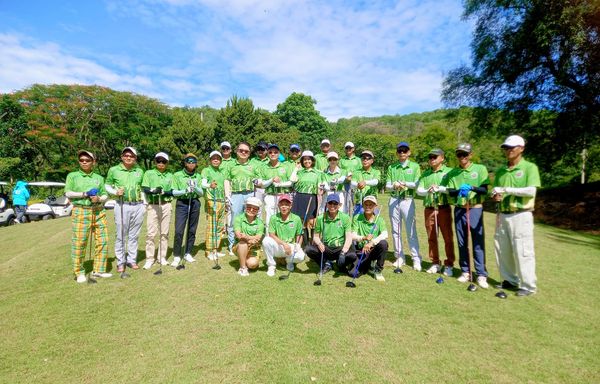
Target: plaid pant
(213, 238)
(83, 221)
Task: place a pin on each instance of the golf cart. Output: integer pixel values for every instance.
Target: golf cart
(52, 207)
(7, 215)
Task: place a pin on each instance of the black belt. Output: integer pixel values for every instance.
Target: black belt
(520, 211)
(132, 202)
(239, 192)
(186, 201)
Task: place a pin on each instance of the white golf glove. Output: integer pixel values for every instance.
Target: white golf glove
(498, 190)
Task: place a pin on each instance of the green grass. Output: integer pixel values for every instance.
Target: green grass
(201, 325)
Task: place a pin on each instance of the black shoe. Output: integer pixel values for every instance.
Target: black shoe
(524, 292)
(507, 285)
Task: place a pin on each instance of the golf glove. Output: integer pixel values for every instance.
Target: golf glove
(464, 190)
(190, 189)
(92, 192)
(498, 190)
(256, 182)
(158, 190)
(341, 259)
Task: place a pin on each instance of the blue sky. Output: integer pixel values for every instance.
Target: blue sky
(356, 58)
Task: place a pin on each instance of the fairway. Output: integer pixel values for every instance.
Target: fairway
(202, 325)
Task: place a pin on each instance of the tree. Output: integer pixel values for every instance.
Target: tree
(237, 121)
(533, 55)
(15, 151)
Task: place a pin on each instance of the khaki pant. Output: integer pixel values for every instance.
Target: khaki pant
(158, 216)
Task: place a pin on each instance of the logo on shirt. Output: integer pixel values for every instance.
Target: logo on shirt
(409, 171)
(519, 174)
(474, 175)
(282, 171)
(291, 225)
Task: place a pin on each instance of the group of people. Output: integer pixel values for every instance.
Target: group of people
(321, 206)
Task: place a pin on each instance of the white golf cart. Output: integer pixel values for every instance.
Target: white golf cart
(7, 215)
(52, 207)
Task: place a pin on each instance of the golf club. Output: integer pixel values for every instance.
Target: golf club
(215, 235)
(90, 279)
(159, 258)
(124, 274)
(351, 284)
(298, 240)
(318, 281)
(187, 233)
(398, 270)
(472, 287)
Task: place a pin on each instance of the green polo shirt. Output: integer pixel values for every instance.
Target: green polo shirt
(335, 231)
(79, 181)
(475, 175)
(291, 165)
(430, 178)
(309, 180)
(258, 163)
(131, 180)
(321, 161)
(335, 174)
(409, 171)
(226, 164)
(241, 224)
(525, 174)
(350, 164)
(241, 176)
(362, 175)
(362, 227)
(269, 172)
(214, 174)
(180, 183)
(153, 179)
(286, 230)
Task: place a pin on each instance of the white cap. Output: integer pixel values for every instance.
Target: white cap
(307, 153)
(129, 149)
(225, 144)
(513, 141)
(370, 198)
(215, 153)
(332, 154)
(325, 141)
(163, 155)
(254, 201)
(349, 144)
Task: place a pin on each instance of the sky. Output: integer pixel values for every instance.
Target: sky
(355, 58)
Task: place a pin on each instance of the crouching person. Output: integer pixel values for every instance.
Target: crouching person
(285, 234)
(370, 233)
(249, 230)
(333, 237)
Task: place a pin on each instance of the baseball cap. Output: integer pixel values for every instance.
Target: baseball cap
(332, 154)
(333, 197)
(225, 144)
(513, 141)
(307, 153)
(262, 145)
(325, 141)
(437, 152)
(403, 144)
(87, 153)
(349, 144)
(464, 147)
(367, 153)
(190, 156)
(215, 153)
(163, 155)
(294, 146)
(370, 198)
(254, 201)
(284, 197)
(273, 145)
(129, 149)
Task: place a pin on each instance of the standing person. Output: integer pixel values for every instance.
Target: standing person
(227, 160)
(249, 231)
(333, 237)
(467, 184)
(285, 230)
(401, 180)
(365, 180)
(274, 178)
(85, 189)
(370, 233)
(125, 181)
(157, 186)
(239, 185)
(213, 183)
(437, 211)
(514, 191)
(293, 158)
(260, 160)
(350, 163)
(321, 158)
(20, 197)
(335, 178)
(187, 189)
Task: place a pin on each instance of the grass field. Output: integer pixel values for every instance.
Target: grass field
(202, 325)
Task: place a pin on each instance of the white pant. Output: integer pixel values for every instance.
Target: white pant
(270, 208)
(129, 225)
(340, 194)
(515, 254)
(399, 210)
(273, 250)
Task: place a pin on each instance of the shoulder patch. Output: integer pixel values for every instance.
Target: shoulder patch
(474, 175)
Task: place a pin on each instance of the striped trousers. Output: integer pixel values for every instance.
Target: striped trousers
(85, 222)
(215, 214)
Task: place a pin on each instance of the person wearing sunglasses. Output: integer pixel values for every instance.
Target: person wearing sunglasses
(335, 178)
(125, 182)
(468, 184)
(227, 153)
(401, 181)
(437, 211)
(321, 162)
(293, 158)
(85, 189)
(249, 230)
(349, 163)
(258, 161)
(274, 177)
(365, 181)
(157, 186)
(213, 183)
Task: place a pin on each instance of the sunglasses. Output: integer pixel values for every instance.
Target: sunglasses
(261, 149)
(432, 157)
(245, 151)
(191, 161)
(366, 158)
(461, 154)
(333, 203)
(161, 161)
(333, 159)
(295, 150)
(225, 149)
(85, 160)
(128, 155)
(347, 148)
(251, 208)
(507, 148)
(403, 150)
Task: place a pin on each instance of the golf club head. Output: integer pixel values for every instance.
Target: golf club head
(350, 284)
(283, 277)
(501, 295)
(92, 281)
(439, 280)
(216, 267)
(125, 275)
(317, 282)
(180, 267)
(398, 270)
(472, 287)
(159, 272)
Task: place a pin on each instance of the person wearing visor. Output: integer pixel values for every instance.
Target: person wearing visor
(227, 153)
(213, 184)
(258, 162)
(293, 158)
(321, 158)
(125, 182)
(249, 230)
(85, 189)
(365, 181)
(274, 178)
(157, 186)
(349, 163)
(335, 178)
(187, 189)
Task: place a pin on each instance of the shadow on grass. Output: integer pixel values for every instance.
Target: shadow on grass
(570, 237)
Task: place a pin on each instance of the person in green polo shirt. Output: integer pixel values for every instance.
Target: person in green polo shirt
(515, 187)
(285, 231)
(294, 158)
(213, 183)
(401, 180)
(228, 159)
(274, 177)
(125, 182)
(157, 186)
(365, 180)
(370, 233)
(335, 178)
(321, 158)
(249, 230)
(349, 163)
(85, 189)
(333, 237)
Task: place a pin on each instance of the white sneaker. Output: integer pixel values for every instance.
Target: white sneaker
(448, 271)
(243, 272)
(290, 267)
(417, 264)
(189, 258)
(220, 254)
(176, 261)
(271, 270)
(230, 253)
(102, 274)
(378, 275)
(463, 278)
(435, 268)
(81, 279)
(148, 264)
(163, 261)
(399, 262)
(482, 282)
(212, 256)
